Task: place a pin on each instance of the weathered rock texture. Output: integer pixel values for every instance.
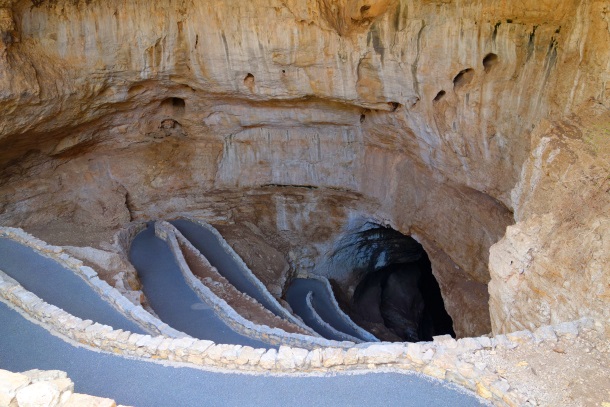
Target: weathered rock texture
(553, 265)
(416, 114)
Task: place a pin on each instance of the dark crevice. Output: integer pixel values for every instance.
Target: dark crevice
(495, 32)
(439, 95)
(288, 186)
(130, 206)
(394, 105)
(531, 46)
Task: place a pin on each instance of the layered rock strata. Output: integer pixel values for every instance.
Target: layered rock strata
(301, 116)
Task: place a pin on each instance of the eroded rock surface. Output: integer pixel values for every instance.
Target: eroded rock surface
(303, 116)
(553, 265)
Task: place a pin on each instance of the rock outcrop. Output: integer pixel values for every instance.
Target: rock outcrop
(303, 116)
(553, 265)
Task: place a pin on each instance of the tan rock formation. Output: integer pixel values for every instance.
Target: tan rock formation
(416, 114)
(553, 265)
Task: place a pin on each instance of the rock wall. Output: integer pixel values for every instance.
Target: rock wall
(417, 114)
(553, 265)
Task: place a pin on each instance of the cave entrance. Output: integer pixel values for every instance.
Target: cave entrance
(394, 296)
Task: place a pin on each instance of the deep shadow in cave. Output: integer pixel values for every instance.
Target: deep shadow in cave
(397, 297)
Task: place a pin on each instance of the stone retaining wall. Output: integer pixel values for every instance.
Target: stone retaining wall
(272, 336)
(444, 358)
(121, 244)
(44, 388)
(107, 292)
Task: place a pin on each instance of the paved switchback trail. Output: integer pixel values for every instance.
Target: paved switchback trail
(172, 299)
(296, 295)
(59, 286)
(208, 244)
(25, 345)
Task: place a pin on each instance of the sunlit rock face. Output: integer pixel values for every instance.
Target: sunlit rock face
(553, 265)
(307, 117)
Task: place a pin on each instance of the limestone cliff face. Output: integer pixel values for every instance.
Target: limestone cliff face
(417, 114)
(553, 265)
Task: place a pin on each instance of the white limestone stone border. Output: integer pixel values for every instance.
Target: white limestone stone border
(443, 358)
(249, 274)
(107, 292)
(272, 336)
(44, 388)
(365, 334)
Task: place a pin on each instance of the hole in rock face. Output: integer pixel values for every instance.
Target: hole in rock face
(394, 106)
(249, 82)
(396, 296)
(490, 61)
(439, 95)
(174, 105)
(463, 78)
(178, 102)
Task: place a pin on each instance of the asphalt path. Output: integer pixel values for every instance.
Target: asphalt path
(25, 345)
(208, 244)
(323, 305)
(59, 286)
(296, 296)
(172, 299)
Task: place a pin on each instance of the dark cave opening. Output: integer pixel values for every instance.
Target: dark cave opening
(396, 297)
(178, 103)
(174, 106)
(439, 95)
(490, 61)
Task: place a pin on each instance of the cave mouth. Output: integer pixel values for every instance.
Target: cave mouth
(395, 294)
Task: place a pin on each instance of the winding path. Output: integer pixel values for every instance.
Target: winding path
(323, 306)
(172, 298)
(300, 298)
(25, 345)
(208, 244)
(323, 317)
(59, 286)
